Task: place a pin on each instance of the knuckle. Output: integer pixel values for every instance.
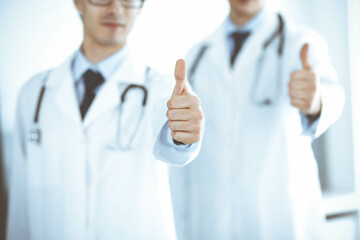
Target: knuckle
(197, 135)
(177, 126)
(312, 94)
(171, 125)
(194, 126)
(293, 75)
(171, 114)
(199, 115)
(312, 87)
(312, 75)
(290, 84)
(176, 135)
(197, 102)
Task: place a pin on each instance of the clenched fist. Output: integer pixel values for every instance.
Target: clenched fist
(304, 88)
(184, 109)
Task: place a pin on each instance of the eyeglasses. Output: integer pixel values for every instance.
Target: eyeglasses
(124, 3)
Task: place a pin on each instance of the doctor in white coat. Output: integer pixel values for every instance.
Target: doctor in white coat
(267, 89)
(78, 174)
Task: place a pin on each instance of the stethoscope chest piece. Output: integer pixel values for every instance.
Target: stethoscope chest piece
(35, 135)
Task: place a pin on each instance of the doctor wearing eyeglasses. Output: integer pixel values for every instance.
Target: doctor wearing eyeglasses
(89, 132)
(268, 90)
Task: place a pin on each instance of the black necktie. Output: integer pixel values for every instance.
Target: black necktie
(91, 80)
(239, 39)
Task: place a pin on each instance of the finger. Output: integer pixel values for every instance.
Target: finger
(303, 74)
(180, 77)
(301, 94)
(186, 137)
(179, 114)
(180, 102)
(298, 84)
(310, 87)
(302, 104)
(184, 114)
(185, 126)
(304, 55)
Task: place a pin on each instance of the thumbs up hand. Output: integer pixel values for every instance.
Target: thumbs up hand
(184, 110)
(303, 87)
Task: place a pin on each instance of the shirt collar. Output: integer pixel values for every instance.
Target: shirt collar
(249, 26)
(105, 67)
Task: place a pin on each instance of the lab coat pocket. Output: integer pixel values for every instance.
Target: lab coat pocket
(44, 163)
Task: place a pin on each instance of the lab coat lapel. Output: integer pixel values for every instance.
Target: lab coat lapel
(62, 84)
(253, 46)
(109, 95)
(218, 49)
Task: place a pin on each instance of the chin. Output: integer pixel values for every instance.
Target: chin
(112, 41)
(246, 11)
(244, 6)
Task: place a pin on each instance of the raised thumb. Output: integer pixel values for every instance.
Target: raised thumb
(304, 55)
(180, 77)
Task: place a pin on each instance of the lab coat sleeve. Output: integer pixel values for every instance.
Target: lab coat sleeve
(309, 128)
(17, 228)
(167, 151)
(331, 91)
(164, 148)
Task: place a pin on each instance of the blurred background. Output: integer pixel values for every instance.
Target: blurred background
(38, 34)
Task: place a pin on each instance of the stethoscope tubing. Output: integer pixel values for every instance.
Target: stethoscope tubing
(279, 32)
(35, 132)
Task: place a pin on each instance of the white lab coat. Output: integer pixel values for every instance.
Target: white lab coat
(256, 176)
(77, 184)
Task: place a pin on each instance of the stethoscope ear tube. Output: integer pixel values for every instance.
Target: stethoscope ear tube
(38, 105)
(282, 35)
(279, 32)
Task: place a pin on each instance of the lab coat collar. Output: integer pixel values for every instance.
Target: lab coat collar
(253, 47)
(105, 67)
(61, 83)
(249, 26)
(109, 95)
(250, 51)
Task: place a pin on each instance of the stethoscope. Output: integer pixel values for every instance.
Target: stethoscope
(35, 134)
(266, 101)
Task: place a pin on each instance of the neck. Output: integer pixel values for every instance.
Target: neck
(240, 18)
(95, 52)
